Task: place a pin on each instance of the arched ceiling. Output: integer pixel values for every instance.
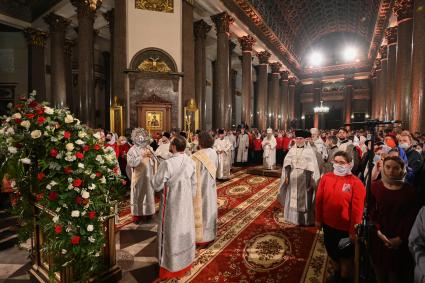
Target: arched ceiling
(299, 24)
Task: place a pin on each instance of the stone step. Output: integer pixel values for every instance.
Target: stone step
(8, 238)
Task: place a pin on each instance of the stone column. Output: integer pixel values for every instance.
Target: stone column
(200, 30)
(284, 102)
(231, 99)
(188, 53)
(417, 115)
(86, 79)
(221, 118)
(275, 95)
(291, 98)
(246, 43)
(403, 9)
(391, 37)
(383, 81)
(36, 40)
(262, 84)
(69, 44)
(109, 16)
(317, 92)
(373, 84)
(378, 90)
(57, 26)
(348, 99)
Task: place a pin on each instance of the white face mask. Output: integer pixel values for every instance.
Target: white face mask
(340, 170)
(403, 145)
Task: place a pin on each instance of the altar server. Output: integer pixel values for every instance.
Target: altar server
(269, 150)
(243, 145)
(163, 150)
(223, 148)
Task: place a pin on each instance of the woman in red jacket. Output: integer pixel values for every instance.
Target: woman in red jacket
(339, 206)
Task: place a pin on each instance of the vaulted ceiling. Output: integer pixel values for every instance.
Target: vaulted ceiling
(299, 24)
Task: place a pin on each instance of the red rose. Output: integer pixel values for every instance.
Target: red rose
(33, 104)
(53, 196)
(123, 182)
(41, 120)
(58, 229)
(18, 121)
(91, 214)
(18, 106)
(86, 148)
(96, 147)
(66, 135)
(75, 240)
(40, 176)
(40, 110)
(77, 182)
(30, 115)
(116, 170)
(39, 197)
(98, 174)
(67, 170)
(78, 200)
(53, 152)
(79, 155)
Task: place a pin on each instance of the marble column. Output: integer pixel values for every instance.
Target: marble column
(275, 94)
(403, 9)
(378, 90)
(69, 44)
(417, 115)
(246, 43)
(262, 84)
(348, 99)
(383, 113)
(57, 26)
(317, 92)
(200, 30)
(231, 99)
(284, 102)
(391, 37)
(221, 117)
(86, 100)
(291, 98)
(36, 40)
(188, 53)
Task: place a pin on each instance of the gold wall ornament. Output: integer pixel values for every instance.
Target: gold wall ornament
(154, 65)
(116, 117)
(191, 117)
(166, 6)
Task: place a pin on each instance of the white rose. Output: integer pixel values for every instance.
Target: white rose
(12, 149)
(85, 194)
(17, 116)
(2, 131)
(79, 142)
(81, 165)
(69, 119)
(92, 176)
(36, 134)
(25, 160)
(82, 134)
(103, 180)
(91, 239)
(97, 135)
(10, 131)
(48, 110)
(91, 186)
(64, 251)
(55, 219)
(90, 228)
(26, 124)
(75, 213)
(69, 146)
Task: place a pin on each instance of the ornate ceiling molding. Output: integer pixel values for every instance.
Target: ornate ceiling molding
(380, 27)
(335, 70)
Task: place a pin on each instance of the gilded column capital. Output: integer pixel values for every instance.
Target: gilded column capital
(378, 64)
(200, 29)
(35, 37)
(222, 22)
(246, 42)
(56, 22)
(292, 81)
(383, 50)
(403, 9)
(284, 75)
(275, 66)
(263, 57)
(391, 35)
(86, 7)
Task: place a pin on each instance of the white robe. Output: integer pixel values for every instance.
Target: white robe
(163, 151)
(321, 148)
(205, 201)
(232, 140)
(140, 171)
(224, 162)
(176, 230)
(243, 145)
(269, 152)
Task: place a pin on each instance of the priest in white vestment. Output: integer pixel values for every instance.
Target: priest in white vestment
(232, 139)
(205, 201)
(223, 148)
(141, 166)
(269, 150)
(319, 143)
(163, 150)
(300, 174)
(176, 180)
(243, 145)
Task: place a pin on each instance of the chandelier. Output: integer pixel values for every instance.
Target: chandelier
(321, 108)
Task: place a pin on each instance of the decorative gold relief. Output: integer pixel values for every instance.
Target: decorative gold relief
(154, 65)
(166, 6)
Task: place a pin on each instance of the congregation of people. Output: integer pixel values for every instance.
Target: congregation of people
(323, 173)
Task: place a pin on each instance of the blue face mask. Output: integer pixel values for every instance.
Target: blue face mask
(376, 158)
(341, 170)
